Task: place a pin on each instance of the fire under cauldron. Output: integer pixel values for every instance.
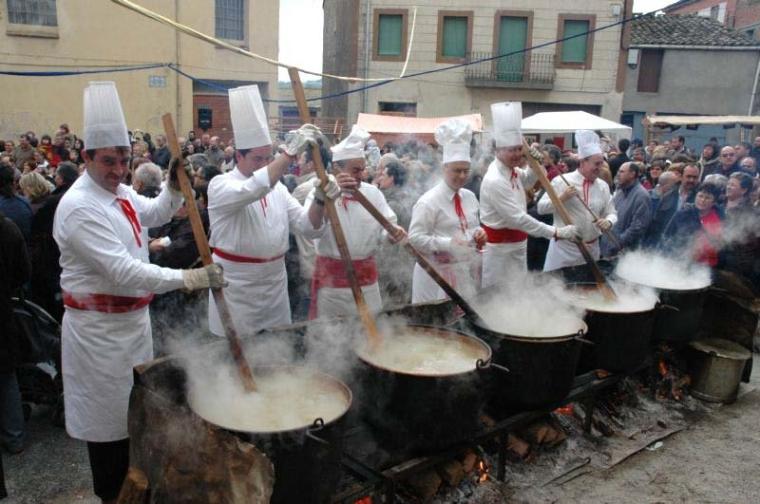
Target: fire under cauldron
(424, 409)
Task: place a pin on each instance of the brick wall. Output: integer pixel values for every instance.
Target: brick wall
(695, 7)
(219, 104)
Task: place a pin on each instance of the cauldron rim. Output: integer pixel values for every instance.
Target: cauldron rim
(615, 312)
(284, 432)
(561, 338)
(451, 332)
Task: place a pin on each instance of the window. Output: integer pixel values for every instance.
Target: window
(230, 19)
(454, 36)
(512, 35)
(389, 30)
(649, 71)
(32, 12)
(397, 109)
(575, 52)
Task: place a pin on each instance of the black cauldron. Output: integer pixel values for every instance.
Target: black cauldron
(423, 411)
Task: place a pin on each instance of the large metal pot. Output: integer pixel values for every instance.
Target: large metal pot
(716, 369)
(306, 459)
(679, 325)
(423, 411)
(621, 338)
(541, 369)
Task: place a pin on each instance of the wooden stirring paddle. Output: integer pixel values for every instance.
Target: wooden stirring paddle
(244, 370)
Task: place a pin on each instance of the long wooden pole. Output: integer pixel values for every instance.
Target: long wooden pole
(332, 215)
(609, 232)
(601, 282)
(205, 252)
(421, 259)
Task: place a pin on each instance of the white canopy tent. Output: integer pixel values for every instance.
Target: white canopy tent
(568, 122)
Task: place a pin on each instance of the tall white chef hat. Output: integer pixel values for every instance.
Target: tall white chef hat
(588, 143)
(249, 121)
(104, 124)
(507, 117)
(352, 147)
(454, 135)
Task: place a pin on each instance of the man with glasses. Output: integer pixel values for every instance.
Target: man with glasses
(726, 165)
(251, 214)
(445, 224)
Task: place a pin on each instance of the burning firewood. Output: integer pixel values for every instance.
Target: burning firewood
(425, 484)
(517, 448)
(452, 472)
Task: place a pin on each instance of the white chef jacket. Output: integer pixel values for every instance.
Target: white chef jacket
(503, 205)
(563, 253)
(363, 234)
(433, 226)
(100, 255)
(306, 249)
(249, 218)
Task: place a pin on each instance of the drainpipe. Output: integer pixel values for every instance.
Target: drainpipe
(367, 44)
(754, 87)
(177, 91)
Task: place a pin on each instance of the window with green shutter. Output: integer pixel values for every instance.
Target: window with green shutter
(454, 37)
(575, 50)
(390, 35)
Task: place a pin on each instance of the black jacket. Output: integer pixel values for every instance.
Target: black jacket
(663, 210)
(14, 272)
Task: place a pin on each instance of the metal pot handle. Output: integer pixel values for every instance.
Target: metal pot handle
(663, 306)
(317, 426)
(482, 365)
(579, 337)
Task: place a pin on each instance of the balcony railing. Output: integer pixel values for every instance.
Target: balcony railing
(528, 70)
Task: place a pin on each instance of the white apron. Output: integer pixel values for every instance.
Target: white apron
(257, 296)
(502, 261)
(98, 352)
(564, 253)
(458, 274)
(339, 302)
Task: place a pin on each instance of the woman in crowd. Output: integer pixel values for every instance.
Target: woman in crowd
(35, 188)
(710, 156)
(653, 174)
(698, 227)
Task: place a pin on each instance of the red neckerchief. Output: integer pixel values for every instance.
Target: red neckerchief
(460, 212)
(586, 189)
(513, 178)
(345, 198)
(264, 205)
(134, 222)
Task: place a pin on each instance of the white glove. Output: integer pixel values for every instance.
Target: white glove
(567, 233)
(207, 277)
(603, 224)
(331, 190)
(299, 140)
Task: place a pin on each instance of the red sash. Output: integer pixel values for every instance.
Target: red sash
(105, 303)
(504, 235)
(329, 272)
(245, 259)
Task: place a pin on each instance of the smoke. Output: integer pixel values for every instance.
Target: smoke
(664, 272)
(529, 304)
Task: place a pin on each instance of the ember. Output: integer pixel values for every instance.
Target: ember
(566, 410)
(670, 381)
(483, 470)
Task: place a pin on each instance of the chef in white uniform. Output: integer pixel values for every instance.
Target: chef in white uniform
(445, 224)
(331, 292)
(503, 205)
(251, 213)
(101, 227)
(594, 191)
